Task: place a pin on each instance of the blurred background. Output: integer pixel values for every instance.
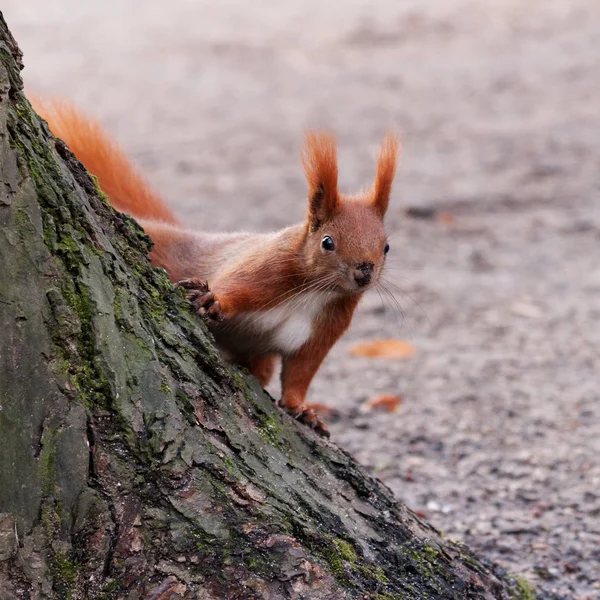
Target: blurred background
(492, 431)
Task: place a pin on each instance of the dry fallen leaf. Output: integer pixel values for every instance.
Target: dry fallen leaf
(385, 402)
(383, 349)
(445, 217)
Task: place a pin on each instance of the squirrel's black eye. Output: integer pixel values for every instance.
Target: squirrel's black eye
(386, 249)
(327, 244)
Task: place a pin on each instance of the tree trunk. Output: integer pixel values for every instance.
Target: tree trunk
(134, 463)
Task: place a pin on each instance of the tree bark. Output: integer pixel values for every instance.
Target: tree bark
(134, 463)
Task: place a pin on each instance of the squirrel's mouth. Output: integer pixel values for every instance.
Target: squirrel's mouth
(354, 289)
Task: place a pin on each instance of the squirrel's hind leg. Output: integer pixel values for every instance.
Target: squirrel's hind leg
(262, 367)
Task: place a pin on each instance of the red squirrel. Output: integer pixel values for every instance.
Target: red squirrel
(291, 293)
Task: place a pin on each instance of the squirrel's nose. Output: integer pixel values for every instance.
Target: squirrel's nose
(363, 273)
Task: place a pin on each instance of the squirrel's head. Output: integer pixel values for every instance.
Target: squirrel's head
(346, 243)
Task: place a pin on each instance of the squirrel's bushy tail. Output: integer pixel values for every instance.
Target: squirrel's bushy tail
(128, 191)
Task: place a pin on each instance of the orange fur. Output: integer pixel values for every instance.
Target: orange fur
(299, 370)
(284, 294)
(262, 367)
(128, 191)
(386, 170)
(319, 158)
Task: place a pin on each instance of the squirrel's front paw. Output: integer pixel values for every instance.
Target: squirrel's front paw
(309, 417)
(202, 299)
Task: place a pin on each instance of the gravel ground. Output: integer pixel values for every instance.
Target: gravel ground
(497, 440)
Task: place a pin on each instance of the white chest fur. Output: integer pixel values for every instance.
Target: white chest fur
(289, 325)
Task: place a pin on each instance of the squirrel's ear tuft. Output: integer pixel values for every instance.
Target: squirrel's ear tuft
(319, 158)
(386, 169)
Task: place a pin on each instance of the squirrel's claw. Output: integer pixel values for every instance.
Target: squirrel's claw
(309, 417)
(202, 299)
